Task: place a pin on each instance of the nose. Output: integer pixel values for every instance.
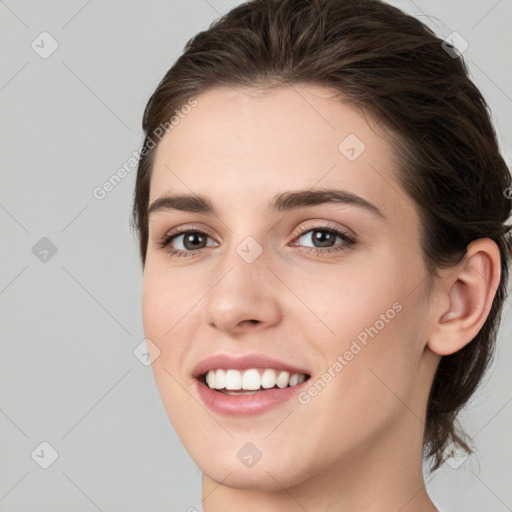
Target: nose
(244, 296)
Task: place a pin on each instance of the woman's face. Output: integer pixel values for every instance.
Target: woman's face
(332, 287)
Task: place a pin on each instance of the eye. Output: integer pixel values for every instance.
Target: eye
(323, 239)
(188, 242)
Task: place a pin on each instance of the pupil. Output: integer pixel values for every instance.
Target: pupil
(324, 237)
(192, 238)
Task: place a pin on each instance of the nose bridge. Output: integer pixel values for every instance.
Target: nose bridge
(246, 241)
(242, 290)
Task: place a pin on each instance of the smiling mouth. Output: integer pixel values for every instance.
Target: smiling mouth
(250, 381)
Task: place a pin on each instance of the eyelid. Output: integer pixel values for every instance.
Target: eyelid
(184, 228)
(317, 224)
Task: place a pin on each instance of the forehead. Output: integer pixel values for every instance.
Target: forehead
(252, 143)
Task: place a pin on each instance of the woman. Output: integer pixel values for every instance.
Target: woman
(322, 208)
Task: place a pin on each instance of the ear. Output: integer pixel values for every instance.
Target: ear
(466, 294)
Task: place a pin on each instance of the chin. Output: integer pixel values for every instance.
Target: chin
(261, 478)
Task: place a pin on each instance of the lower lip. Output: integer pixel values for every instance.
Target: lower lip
(245, 405)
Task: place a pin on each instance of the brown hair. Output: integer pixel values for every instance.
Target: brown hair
(391, 65)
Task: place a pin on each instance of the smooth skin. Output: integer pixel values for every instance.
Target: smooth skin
(357, 445)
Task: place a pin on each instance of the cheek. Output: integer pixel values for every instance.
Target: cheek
(364, 391)
(161, 314)
(379, 379)
(160, 323)
(168, 320)
(371, 354)
(165, 300)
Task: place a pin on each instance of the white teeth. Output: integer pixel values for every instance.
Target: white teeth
(282, 380)
(220, 378)
(233, 379)
(210, 379)
(251, 380)
(268, 379)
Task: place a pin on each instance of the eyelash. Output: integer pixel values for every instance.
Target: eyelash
(348, 240)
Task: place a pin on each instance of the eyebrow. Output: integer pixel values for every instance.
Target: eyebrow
(282, 202)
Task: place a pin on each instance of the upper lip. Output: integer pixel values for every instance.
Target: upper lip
(243, 362)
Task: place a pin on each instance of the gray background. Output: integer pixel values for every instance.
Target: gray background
(69, 325)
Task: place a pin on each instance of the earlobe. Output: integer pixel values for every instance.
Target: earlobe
(469, 292)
